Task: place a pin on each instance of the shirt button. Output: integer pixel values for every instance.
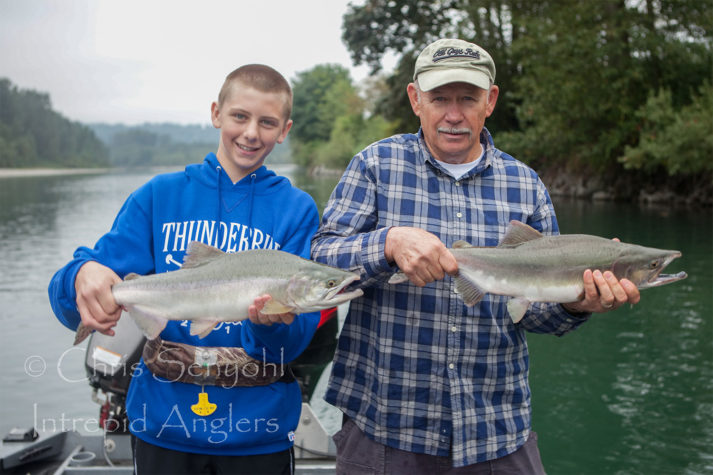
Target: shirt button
(459, 214)
(457, 183)
(451, 366)
(454, 328)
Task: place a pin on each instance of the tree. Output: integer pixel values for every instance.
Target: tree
(32, 134)
(331, 120)
(321, 94)
(572, 74)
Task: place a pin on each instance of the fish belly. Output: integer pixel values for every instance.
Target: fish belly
(535, 287)
(217, 302)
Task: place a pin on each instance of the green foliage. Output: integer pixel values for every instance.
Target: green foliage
(351, 133)
(575, 77)
(321, 94)
(33, 135)
(329, 124)
(679, 141)
(405, 27)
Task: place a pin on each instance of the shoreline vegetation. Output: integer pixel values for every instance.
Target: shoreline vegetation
(564, 185)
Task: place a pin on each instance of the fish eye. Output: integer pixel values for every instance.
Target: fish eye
(653, 264)
(331, 284)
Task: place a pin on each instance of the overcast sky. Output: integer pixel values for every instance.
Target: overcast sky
(135, 61)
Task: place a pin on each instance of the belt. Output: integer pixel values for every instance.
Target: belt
(211, 365)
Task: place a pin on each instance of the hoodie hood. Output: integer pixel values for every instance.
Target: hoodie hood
(211, 174)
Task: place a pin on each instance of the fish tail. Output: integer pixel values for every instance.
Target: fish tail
(82, 333)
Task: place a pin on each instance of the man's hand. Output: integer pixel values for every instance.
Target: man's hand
(95, 301)
(256, 316)
(603, 293)
(419, 254)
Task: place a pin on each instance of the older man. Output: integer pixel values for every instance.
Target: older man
(426, 384)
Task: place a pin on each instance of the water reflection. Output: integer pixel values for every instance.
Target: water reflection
(629, 392)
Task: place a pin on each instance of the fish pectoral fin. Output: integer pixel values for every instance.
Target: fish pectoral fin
(462, 245)
(398, 278)
(132, 276)
(202, 328)
(517, 308)
(469, 292)
(519, 232)
(150, 323)
(273, 307)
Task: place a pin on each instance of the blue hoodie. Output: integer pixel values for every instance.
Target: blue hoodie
(150, 235)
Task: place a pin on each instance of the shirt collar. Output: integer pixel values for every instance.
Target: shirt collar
(485, 139)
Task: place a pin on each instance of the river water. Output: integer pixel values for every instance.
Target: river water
(630, 392)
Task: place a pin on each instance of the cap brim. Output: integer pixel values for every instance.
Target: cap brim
(434, 78)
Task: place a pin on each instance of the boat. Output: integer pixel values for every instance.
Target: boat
(108, 364)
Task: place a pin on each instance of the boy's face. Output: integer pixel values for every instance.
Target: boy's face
(251, 122)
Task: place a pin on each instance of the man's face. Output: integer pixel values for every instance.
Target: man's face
(452, 117)
(251, 122)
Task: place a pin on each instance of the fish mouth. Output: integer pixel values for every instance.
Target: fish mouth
(340, 295)
(658, 279)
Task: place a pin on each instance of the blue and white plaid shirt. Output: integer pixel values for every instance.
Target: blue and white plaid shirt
(415, 368)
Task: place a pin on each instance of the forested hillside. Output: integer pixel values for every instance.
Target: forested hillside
(34, 135)
(152, 144)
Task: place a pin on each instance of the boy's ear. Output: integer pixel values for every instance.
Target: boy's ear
(215, 115)
(285, 130)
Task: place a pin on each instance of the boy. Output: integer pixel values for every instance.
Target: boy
(230, 201)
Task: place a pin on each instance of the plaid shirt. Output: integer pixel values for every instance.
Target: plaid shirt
(415, 368)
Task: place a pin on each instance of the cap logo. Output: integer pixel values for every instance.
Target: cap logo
(448, 53)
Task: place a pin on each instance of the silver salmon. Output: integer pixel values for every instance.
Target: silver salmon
(213, 287)
(532, 267)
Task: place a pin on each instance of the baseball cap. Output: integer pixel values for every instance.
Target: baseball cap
(453, 60)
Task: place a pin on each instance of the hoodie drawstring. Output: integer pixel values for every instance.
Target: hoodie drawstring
(251, 194)
(220, 198)
(253, 178)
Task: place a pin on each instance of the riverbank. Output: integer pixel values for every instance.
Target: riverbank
(20, 172)
(690, 192)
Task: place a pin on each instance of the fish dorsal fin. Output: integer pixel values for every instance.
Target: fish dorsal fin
(518, 232)
(461, 245)
(132, 276)
(199, 254)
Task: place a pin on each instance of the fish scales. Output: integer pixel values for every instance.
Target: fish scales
(531, 267)
(214, 287)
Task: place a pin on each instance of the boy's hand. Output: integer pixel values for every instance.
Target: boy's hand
(95, 301)
(256, 316)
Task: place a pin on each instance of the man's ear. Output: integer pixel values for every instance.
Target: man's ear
(413, 98)
(492, 99)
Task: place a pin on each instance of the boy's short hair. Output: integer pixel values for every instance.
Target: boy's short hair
(261, 77)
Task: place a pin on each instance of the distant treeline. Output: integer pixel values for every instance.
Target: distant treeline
(34, 135)
(152, 144)
(156, 144)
